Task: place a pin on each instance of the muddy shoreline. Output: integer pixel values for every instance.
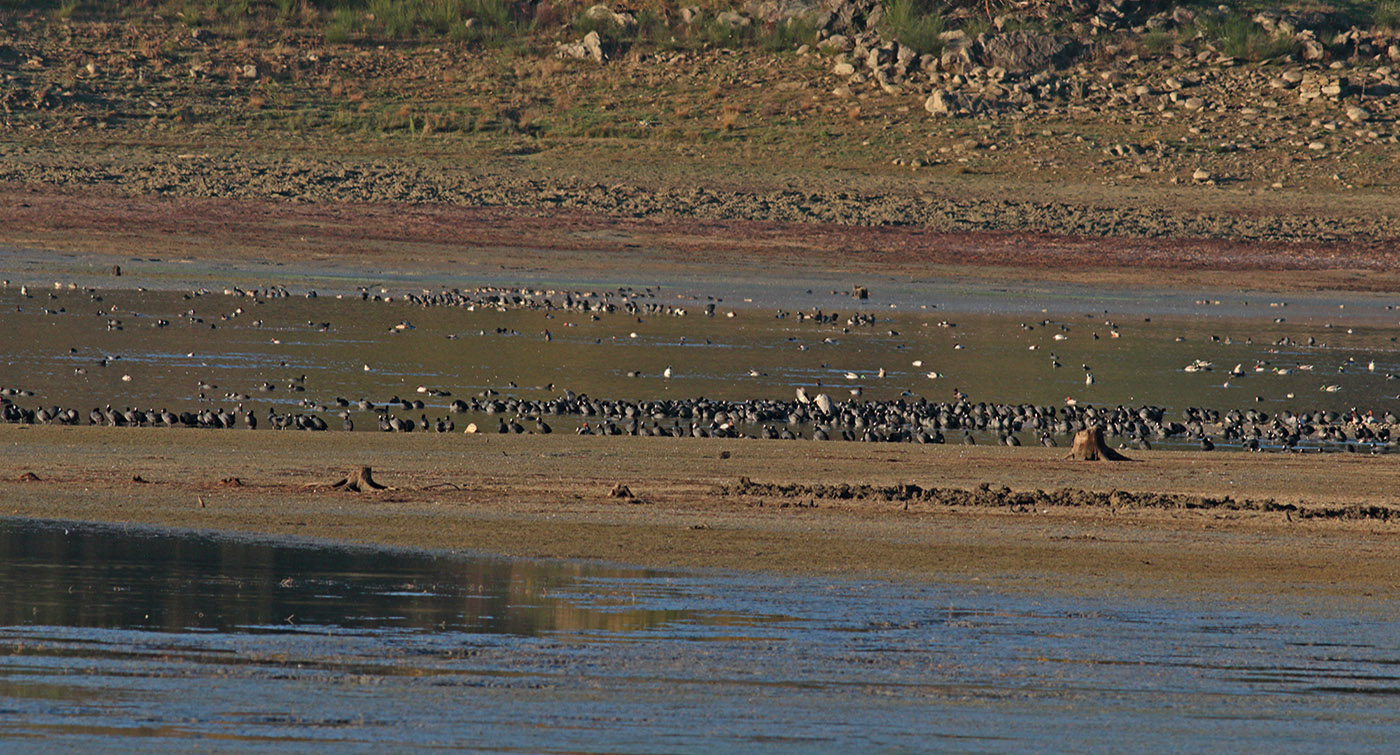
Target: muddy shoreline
(548, 497)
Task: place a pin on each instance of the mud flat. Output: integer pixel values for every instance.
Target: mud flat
(1295, 525)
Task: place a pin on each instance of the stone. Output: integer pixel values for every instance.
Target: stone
(593, 45)
(957, 51)
(690, 14)
(941, 102)
(1022, 51)
(1312, 49)
(1201, 175)
(625, 21)
(836, 43)
(1317, 146)
(843, 69)
(733, 20)
(1357, 114)
(1194, 104)
(250, 71)
(843, 92)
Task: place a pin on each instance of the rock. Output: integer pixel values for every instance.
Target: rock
(843, 69)
(957, 51)
(201, 35)
(1201, 175)
(624, 21)
(1194, 104)
(593, 45)
(1317, 146)
(1311, 48)
(843, 92)
(250, 71)
(835, 43)
(1393, 52)
(690, 14)
(1357, 114)
(1021, 51)
(941, 102)
(780, 11)
(591, 48)
(733, 20)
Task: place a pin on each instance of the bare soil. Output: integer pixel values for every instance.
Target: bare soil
(550, 496)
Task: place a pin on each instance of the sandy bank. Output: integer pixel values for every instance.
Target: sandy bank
(540, 496)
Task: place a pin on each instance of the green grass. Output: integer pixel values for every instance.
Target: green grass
(1238, 36)
(916, 24)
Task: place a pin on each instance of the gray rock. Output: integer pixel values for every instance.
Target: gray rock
(836, 43)
(843, 69)
(941, 102)
(733, 20)
(1021, 51)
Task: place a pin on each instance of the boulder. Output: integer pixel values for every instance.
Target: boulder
(624, 21)
(1022, 51)
(941, 102)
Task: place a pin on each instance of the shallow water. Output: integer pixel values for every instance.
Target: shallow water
(167, 349)
(164, 641)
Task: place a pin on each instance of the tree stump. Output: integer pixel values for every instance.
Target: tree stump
(1089, 446)
(359, 481)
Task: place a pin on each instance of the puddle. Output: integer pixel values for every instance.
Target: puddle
(155, 639)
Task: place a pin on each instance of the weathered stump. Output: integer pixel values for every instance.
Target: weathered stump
(1089, 446)
(359, 481)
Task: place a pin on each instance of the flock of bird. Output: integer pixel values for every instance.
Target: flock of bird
(817, 417)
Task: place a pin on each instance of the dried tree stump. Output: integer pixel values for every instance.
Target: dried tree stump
(1089, 446)
(359, 481)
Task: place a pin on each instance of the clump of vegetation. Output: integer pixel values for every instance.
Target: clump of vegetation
(1238, 36)
(916, 24)
(1387, 14)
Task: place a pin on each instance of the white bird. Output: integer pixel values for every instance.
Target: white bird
(366, 368)
(1088, 378)
(666, 373)
(881, 373)
(852, 376)
(856, 391)
(918, 363)
(1238, 370)
(1371, 365)
(934, 375)
(1331, 388)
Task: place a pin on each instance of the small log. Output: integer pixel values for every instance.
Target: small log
(1089, 446)
(359, 481)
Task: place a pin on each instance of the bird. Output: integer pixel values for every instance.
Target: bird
(666, 373)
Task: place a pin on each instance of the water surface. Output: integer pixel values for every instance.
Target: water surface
(167, 641)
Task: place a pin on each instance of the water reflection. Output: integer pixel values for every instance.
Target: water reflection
(165, 640)
(85, 576)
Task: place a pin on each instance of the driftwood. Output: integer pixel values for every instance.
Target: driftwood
(1089, 446)
(359, 481)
